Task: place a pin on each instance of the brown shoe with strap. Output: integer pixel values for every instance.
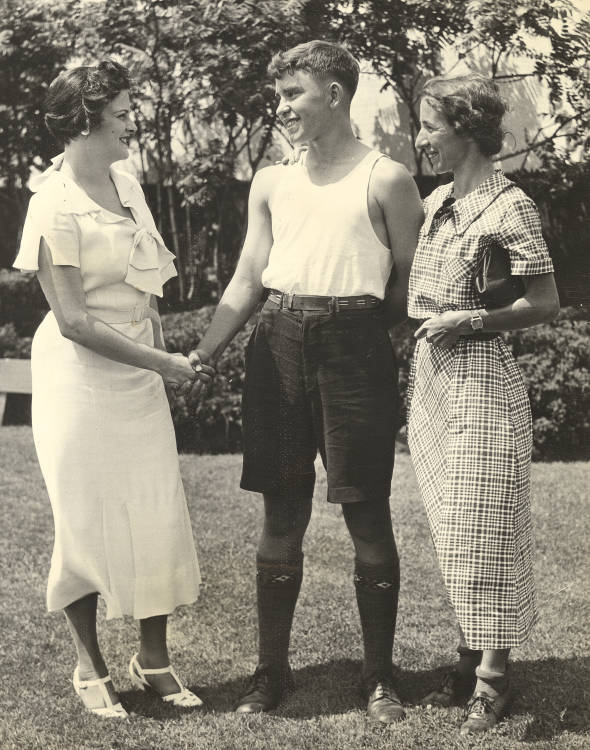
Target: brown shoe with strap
(484, 711)
(454, 690)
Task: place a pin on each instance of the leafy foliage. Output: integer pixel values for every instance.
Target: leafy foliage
(555, 360)
(22, 303)
(211, 424)
(32, 52)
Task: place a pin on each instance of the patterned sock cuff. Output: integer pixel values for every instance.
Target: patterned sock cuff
(272, 573)
(489, 675)
(375, 577)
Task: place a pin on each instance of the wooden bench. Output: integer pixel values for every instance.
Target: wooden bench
(15, 377)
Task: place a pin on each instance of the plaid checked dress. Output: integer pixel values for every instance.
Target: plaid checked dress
(469, 426)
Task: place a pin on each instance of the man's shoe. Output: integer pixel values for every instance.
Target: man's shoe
(265, 690)
(484, 711)
(384, 704)
(453, 690)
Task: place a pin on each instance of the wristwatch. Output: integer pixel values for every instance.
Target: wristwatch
(476, 320)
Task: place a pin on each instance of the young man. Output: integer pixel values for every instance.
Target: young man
(325, 236)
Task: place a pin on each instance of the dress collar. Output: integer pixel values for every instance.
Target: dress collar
(74, 199)
(150, 263)
(467, 209)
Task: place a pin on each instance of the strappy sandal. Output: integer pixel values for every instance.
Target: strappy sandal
(109, 710)
(183, 699)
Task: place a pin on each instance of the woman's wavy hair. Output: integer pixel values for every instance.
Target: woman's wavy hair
(76, 99)
(473, 107)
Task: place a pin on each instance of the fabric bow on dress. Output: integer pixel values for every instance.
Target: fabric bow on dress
(145, 260)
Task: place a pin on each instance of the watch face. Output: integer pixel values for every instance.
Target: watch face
(476, 322)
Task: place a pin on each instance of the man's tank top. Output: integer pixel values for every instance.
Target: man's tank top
(323, 239)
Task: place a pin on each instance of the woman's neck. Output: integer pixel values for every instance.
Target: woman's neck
(471, 173)
(83, 167)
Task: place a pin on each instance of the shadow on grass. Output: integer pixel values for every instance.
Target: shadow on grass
(554, 692)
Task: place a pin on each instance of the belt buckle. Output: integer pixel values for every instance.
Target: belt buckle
(287, 301)
(333, 305)
(137, 315)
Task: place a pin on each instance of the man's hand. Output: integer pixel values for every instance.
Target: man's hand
(204, 374)
(294, 157)
(445, 329)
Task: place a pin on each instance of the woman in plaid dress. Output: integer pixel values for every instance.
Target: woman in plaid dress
(469, 426)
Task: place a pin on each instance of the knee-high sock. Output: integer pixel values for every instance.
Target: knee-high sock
(277, 586)
(377, 590)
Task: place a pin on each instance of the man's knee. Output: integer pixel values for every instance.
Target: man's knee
(370, 522)
(286, 517)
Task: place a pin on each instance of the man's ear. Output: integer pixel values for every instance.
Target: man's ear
(336, 93)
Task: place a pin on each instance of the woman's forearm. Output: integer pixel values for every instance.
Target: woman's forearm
(94, 334)
(520, 314)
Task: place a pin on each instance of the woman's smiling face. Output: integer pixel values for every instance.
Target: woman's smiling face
(445, 149)
(111, 137)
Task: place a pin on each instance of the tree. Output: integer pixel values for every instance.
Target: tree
(551, 42)
(30, 57)
(408, 40)
(204, 107)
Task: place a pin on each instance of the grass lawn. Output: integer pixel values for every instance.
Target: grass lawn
(212, 643)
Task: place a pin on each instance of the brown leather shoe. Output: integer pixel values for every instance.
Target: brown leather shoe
(453, 690)
(265, 690)
(484, 711)
(384, 704)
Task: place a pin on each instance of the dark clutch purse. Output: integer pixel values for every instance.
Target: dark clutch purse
(494, 283)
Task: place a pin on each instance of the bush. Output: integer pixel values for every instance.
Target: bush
(213, 424)
(555, 359)
(13, 345)
(22, 302)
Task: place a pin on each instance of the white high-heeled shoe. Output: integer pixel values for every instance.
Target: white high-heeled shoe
(109, 710)
(184, 698)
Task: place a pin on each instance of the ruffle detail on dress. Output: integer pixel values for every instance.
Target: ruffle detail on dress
(150, 263)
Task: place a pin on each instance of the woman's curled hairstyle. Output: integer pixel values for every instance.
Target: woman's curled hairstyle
(77, 97)
(473, 107)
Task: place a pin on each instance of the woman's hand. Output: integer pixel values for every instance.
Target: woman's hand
(443, 330)
(177, 371)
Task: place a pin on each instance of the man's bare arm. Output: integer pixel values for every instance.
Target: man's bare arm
(398, 196)
(245, 289)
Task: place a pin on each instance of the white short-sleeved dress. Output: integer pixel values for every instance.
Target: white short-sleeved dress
(469, 426)
(102, 429)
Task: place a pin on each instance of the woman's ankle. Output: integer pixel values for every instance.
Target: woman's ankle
(153, 658)
(91, 668)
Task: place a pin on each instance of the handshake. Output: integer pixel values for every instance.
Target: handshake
(187, 375)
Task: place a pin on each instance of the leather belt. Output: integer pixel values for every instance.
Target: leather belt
(322, 303)
(134, 315)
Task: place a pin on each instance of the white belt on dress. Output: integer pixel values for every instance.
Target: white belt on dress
(134, 315)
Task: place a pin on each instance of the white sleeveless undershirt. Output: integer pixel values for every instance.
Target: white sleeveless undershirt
(323, 239)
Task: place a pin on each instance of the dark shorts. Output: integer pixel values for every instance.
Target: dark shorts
(320, 381)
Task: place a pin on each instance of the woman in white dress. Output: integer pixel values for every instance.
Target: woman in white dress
(101, 420)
